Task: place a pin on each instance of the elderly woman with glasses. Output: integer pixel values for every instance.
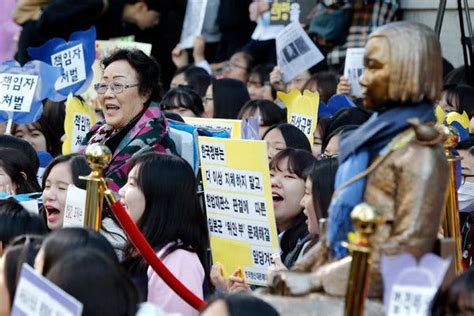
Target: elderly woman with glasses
(128, 93)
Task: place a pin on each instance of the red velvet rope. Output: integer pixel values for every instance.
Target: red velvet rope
(150, 256)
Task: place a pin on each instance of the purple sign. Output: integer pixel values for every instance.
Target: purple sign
(35, 295)
(410, 286)
(250, 128)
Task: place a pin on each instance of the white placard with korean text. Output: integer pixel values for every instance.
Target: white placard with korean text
(410, 300)
(72, 61)
(75, 208)
(17, 92)
(302, 122)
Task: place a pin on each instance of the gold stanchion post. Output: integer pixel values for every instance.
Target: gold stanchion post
(450, 222)
(98, 157)
(365, 219)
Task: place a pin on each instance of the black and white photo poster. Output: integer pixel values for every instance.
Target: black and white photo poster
(353, 69)
(295, 51)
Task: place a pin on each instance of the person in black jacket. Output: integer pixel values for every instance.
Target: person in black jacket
(235, 27)
(112, 18)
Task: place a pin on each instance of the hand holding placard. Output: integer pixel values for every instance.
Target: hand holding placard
(295, 51)
(353, 69)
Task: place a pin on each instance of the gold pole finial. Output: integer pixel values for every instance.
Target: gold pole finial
(450, 221)
(98, 157)
(365, 219)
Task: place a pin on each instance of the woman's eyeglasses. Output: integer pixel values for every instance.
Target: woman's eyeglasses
(115, 88)
(256, 84)
(464, 177)
(326, 156)
(206, 99)
(26, 239)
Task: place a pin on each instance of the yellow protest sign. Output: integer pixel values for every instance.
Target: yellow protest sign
(233, 127)
(79, 119)
(302, 110)
(440, 115)
(462, 119)
(239, 205)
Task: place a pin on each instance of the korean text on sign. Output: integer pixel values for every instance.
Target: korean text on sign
(410, 300)
(280, 11)
(72, 62)
(82, 125)
(237, 195)
(17, 91)
(283, 12)
(302, 122)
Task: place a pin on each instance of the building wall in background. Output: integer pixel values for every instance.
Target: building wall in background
(425, 11)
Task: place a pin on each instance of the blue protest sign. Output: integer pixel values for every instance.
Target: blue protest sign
(23, 88)
(74, 58)
(335, 103)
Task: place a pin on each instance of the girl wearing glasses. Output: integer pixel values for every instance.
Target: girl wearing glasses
(224, 98)
(129, 92)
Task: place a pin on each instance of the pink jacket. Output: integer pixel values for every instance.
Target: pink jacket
(185, 266)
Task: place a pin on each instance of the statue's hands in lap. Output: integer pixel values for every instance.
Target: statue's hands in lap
(293, 283)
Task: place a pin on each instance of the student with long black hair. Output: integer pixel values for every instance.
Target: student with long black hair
(17, 172)
(319, 188)
(62, 241)
(160, 196)
(224, 98)
(288, 186)
(21, 249)
(58, 175)
(270, 114)
(97, 281)
(15, 220)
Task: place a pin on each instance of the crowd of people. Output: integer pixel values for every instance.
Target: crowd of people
(230, 73)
